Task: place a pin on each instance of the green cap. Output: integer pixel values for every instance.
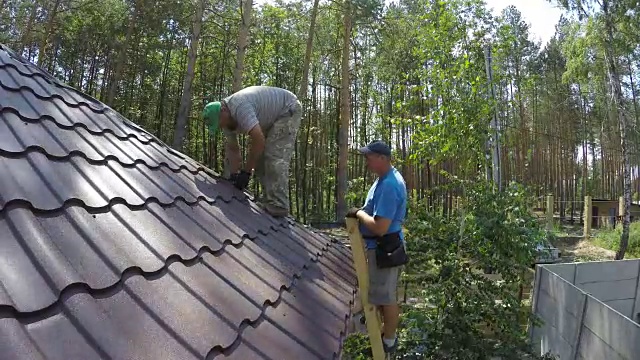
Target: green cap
(211, 115)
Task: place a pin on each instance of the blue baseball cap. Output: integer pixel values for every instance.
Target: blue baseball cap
(376, 147)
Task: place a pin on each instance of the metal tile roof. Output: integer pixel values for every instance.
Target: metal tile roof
(113, 245)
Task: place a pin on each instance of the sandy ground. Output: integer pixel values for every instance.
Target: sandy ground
(577, 249)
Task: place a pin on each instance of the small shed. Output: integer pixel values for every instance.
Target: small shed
(606, 212)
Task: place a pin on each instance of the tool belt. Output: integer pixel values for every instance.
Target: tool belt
(390, 251)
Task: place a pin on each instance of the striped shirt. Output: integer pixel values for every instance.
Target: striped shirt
(258, 105)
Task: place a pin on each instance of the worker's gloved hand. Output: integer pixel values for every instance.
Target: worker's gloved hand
(241, 179)
(352, 212)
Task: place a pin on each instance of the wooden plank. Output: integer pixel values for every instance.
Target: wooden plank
(362, 270)
(549, 212)
(620, 211)
(587, 216)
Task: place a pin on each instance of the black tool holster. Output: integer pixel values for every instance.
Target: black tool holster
(390, 251)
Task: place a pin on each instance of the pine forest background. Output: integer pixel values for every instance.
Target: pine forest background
(412, 73)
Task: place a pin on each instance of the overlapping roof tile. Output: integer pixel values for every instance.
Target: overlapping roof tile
(113, 245)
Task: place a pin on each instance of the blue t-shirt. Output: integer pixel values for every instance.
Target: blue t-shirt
(387, 198)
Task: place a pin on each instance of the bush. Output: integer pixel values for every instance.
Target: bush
(465, 315)
(610, 239)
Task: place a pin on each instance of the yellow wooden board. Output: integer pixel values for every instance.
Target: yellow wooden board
(370, 311)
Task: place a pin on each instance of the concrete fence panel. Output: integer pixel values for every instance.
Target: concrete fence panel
(559, 304)
(577, 323)
(616, 337)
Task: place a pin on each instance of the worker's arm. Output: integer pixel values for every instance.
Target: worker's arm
(384, 210)
(376, 224)
(248, 122)
(232, 150)
(256, 148)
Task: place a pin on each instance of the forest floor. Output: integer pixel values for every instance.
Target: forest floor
(577, 249)
(574, 248)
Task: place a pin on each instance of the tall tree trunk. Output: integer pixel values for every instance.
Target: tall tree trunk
(246, 7)
(633, 92)
(26, 35)
(345, 112)
(47, 32)
(622, 122)
(182, 120)
(585, 174)
(122, 54)
(243, 41)
(302, 93)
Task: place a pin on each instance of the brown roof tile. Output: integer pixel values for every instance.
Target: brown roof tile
(116, 246)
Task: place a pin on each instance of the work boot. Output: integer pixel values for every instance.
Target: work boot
(275, 211)
(390, 349)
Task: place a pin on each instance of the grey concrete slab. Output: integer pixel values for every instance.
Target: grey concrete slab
(565, 271)
(591, 320)
(611, 290)
(553, 314)
(634, 314)
(593, 348)
(565, 294)
(547, 339)
(606, 271)
(613, 329)
(624, 307)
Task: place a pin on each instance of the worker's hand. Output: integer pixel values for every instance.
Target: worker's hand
(352, 212)
(241, 179)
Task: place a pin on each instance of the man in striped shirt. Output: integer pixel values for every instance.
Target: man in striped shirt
(271, 117)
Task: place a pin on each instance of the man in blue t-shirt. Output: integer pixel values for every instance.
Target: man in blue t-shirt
(383, 213)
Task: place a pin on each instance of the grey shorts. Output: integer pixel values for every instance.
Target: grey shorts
(383, 283)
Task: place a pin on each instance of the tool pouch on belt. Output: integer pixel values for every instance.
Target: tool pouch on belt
(390, 251)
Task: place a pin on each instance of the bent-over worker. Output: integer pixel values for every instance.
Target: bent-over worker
(271, 117)
(381, 220)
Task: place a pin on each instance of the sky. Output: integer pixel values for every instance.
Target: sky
(541, 15)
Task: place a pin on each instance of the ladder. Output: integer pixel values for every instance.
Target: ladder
(371, 313)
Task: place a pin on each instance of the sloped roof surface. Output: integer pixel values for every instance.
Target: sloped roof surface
(112, 245)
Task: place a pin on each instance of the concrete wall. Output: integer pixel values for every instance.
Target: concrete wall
(576, 324)
(615, 283)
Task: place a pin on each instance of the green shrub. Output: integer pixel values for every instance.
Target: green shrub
(459, 317)
(610, 239)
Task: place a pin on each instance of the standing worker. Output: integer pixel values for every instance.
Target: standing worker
(381, 220)
(271, 117)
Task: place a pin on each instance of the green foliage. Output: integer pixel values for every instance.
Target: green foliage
(357, 347)
(453, 75)
(464, 313)
(491, 231)
(610, 239)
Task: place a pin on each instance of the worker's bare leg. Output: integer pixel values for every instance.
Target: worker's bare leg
(390, 319)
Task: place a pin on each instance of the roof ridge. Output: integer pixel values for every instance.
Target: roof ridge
(50, 78)
(19, 58)
(96, 106)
